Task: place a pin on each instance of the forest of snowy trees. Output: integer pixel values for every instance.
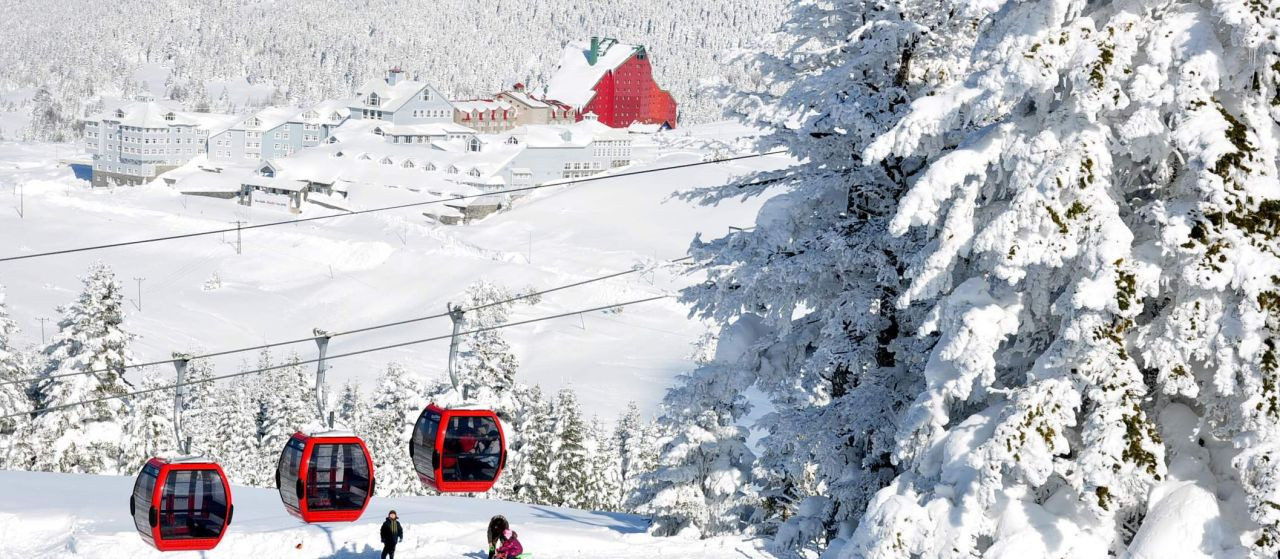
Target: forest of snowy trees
(63, 57)
(557, 455)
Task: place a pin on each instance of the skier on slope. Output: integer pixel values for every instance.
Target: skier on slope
(392, 534)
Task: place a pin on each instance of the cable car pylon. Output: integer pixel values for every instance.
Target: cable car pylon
(181, 503)
(322, 345)
(458, 316)
(462, 449)
(325, 474)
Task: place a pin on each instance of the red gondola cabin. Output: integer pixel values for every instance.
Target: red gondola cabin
(458, 450)
(325, 477)
(181, 505)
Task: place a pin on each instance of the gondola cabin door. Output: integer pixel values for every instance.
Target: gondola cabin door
(181, 505)
(458, 450)
(325, 477)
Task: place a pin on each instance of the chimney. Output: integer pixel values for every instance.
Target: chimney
(594, 53)
(394, 75)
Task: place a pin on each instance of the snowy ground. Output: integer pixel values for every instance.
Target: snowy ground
(360, 270)
(46, 516)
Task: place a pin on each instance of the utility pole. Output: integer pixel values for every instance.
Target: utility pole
(238, 245)
(42, 321)
(139, 301)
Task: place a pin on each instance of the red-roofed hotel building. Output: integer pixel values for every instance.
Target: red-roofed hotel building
(613, 80)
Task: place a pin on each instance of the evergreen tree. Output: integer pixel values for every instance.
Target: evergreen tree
(486, 366)
(636, 442)
(351, 409)
(284, 401)
(538, 447)
(701, 482)
(237, 447)
(606, 469)
(395, 406)
(13, 398)
(87, 438)
(570, 474)
(149, 430)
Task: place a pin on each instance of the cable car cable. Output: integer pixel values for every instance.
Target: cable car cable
(270, 345)
(335, 356)
(379, 209)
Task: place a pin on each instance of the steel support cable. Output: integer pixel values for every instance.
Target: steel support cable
(335, 356)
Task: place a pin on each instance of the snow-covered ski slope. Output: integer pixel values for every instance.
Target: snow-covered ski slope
(355, 271)
(48, 516)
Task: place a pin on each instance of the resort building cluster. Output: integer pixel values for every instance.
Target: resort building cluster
(396, 132)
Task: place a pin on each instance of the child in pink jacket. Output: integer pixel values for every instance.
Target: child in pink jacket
(510, 547)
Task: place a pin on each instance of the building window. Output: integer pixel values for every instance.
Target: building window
(426, 94)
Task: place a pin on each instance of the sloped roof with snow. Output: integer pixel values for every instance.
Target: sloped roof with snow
(391, 97)
(151, 114)
(522, 97)
(481, 105)
(272, 117)
(425, 129)
(322, 111)
(575, 79)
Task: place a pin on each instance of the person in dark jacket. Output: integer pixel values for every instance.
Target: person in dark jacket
(497, 525)
(392, 534)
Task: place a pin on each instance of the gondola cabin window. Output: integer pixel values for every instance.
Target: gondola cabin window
(337, 477)
(193, 505)
(425, 459)
(469, 450)
(143, 490)
(287, 473)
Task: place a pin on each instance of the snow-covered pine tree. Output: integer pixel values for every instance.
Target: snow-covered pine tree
(236, 445)
(486, 365)
(606, 467)
(13, 398)
(285, 402)
(636, 441)
(1088, 244)
(701, 481)
(90, 337)
(201, 404)
(148, 431)
(832, 350)
(351, 409)
(533, 474)
(1100, 196)
(395, 405)
(570, 471)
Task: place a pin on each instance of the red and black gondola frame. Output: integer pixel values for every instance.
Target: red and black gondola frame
(432, 475)
(159, 469)
(300, 509)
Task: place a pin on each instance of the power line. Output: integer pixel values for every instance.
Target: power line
(337, 356)
(270, 345)
(239, 228)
